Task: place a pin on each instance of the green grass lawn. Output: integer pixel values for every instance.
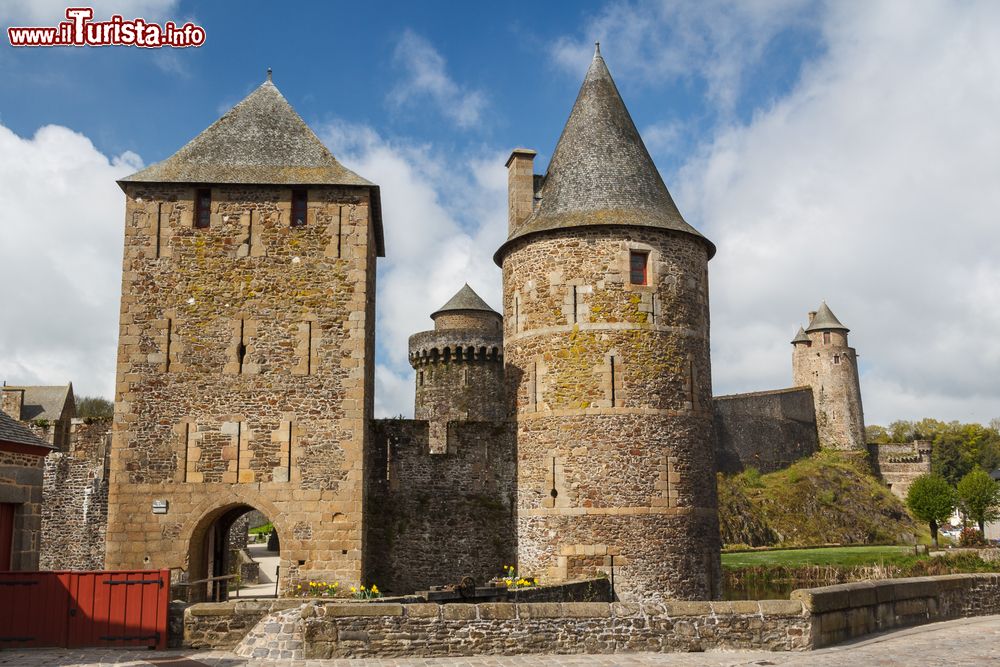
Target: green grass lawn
(846, 556)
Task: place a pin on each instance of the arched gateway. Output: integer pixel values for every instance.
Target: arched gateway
(218, 553)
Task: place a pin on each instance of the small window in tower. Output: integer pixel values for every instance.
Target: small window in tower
(299, 201)
(421, 378)
(637, 267)
(826, 337)
(836, 360)
(202, 208)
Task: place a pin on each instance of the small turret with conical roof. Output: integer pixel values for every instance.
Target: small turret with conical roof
(823, 360)
(459, 366)
(607, 350)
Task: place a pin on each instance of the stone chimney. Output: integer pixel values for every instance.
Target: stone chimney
(810, 316)
(13, 399)
(520, 186)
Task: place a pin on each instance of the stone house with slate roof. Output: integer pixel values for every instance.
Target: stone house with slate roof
(22, 454)
(573, 434)
(47, 411)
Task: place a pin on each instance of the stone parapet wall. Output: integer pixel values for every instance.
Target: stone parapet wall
(223, 625)
(412, 630)
(767, 430)
(848, 611)
(813, 618)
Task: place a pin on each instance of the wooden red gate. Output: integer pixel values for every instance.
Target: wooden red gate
(76, 609)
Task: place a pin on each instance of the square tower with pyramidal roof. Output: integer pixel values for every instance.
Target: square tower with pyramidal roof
(246, 345)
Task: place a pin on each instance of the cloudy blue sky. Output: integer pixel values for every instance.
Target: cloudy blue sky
(846, 151)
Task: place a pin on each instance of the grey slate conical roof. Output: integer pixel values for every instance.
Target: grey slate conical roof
(825, 320)
(601, 172)
(801, 337)
(260, 141)
(465, 299)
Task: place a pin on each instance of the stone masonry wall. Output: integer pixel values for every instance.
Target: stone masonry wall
(613, 394)
(75, 505)
(21, 485)
(767, 430)
(244, 355)
(435, 518)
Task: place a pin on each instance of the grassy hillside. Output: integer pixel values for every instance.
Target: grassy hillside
(825, 499)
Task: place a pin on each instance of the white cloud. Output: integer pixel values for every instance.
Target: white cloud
(172, 62)
(427, 78)
(51, 12)
(444, 217)
(60, 249)
(658, 41)
(873, 185)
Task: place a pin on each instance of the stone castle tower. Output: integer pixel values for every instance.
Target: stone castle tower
(459, 366)
(606, 341)
(823, 360)
(246, 351)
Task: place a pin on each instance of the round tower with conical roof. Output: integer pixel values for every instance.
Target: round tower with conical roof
(823, 360)
(606, 340)
(459, 366)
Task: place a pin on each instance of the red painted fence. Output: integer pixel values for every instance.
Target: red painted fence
(75, 609)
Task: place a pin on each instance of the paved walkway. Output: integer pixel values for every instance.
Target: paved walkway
(268, 561)
(974, 641)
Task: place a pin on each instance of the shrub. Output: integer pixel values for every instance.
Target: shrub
(971, 537)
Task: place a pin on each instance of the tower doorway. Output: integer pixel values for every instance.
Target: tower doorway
(234, 553)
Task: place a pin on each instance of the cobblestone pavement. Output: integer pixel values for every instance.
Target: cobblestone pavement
(953, 643)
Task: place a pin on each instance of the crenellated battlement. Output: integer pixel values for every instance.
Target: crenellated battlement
(458, 345)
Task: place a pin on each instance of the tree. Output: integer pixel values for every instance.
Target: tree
(931, 499)
(979, 497)
(94, 407)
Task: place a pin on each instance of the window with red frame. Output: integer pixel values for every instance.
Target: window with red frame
(637, 267)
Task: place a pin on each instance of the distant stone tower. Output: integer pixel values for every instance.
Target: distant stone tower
(246, 352)
(606, 341)
(822, 359)
(459, 366)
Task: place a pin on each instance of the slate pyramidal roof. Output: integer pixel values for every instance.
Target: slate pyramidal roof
(600, 172)
(260, 141)
(825, 320)
(465, 299)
